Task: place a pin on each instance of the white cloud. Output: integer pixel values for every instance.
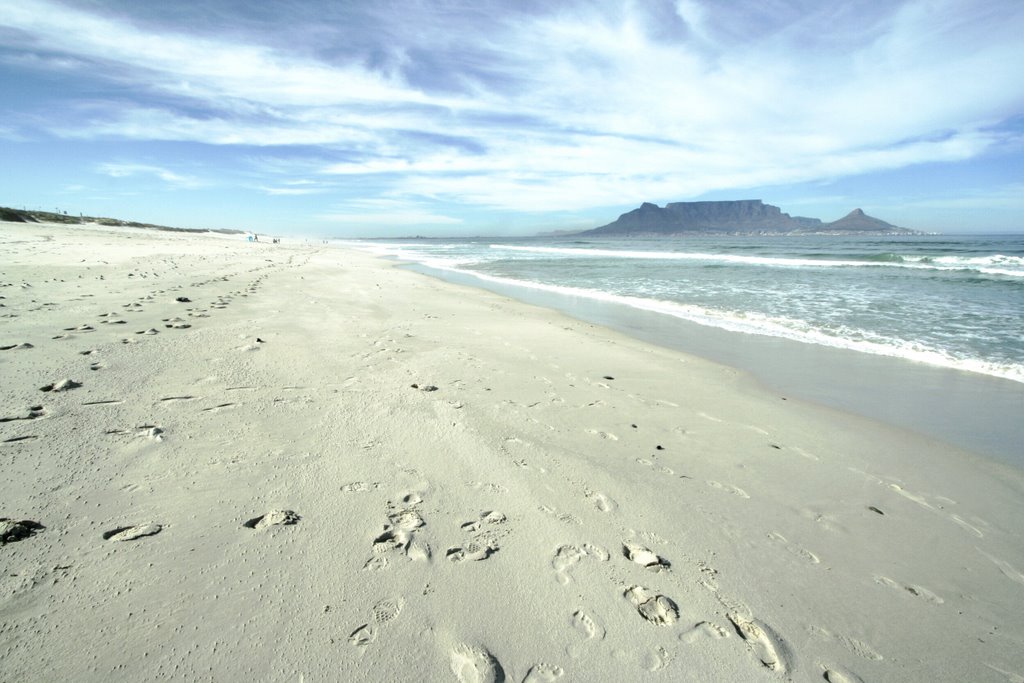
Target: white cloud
(193, 66)
(11, 134)
(128, 170)
(575, 108)
(1010, 196)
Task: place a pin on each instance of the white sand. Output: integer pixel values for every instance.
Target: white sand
(281, 504)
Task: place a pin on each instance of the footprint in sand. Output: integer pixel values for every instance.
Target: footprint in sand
(273, 518)
(489, 487)
(485, 542)
(472, 552)
(703, 630)
(363, 637)
(656, 659)
(358, 487)
(62, 385)
(568, 556)
(31, 413)
(565, 517)
(644, 557)
(728, 488)
(375, 563)
(17, 530)
(840, 675)
(957, 519)
(544, 673)
(657, 609)
(387, 609)
(489, 517)
(587, 626)
(1007, 569)
(475, 665)
(857, 647)
(131, 533)
(794, 549)
(601, 501)
(400, 534)
(765, 643)
(589, 629)
(916, 591)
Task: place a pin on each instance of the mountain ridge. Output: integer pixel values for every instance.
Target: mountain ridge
(741, 216)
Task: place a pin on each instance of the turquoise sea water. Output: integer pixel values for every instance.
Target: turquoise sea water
(949, 301)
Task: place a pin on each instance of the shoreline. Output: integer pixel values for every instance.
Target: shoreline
(972, 411)
(287, 462)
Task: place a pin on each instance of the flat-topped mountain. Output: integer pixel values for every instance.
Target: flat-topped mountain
(746, 216)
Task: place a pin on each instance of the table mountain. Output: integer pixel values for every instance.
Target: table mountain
(746, 216)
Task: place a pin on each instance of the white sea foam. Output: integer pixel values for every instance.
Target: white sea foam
(415, 253)
(748, 322)
(997, 264)
(1007, 266)
(786, 328)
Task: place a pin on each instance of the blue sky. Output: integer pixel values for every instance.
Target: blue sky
(487, 117)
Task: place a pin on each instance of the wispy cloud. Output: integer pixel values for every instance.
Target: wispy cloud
(295, 188)
(12, 134)
(533, 109)
(1010, 196)
(128, 170)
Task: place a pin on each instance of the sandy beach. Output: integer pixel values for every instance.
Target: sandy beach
(226, 461)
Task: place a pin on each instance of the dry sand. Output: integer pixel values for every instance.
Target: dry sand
(299, 463)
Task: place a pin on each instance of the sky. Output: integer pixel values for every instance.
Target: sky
(486, 117)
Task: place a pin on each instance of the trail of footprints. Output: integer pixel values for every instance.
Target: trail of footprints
(658, 609)
(404, 534)
(115, 319)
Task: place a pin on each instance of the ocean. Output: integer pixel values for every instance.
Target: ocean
(955, 302)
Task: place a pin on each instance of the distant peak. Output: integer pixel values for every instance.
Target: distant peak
(856, 212)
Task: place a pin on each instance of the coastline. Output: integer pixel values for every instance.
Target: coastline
(975, 412)
(481, 487)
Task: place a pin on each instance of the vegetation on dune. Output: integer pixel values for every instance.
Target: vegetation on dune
(27, 216)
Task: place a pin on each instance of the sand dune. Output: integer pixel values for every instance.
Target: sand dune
(232, 461)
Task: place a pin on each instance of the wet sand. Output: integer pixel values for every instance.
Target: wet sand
(974, 412)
